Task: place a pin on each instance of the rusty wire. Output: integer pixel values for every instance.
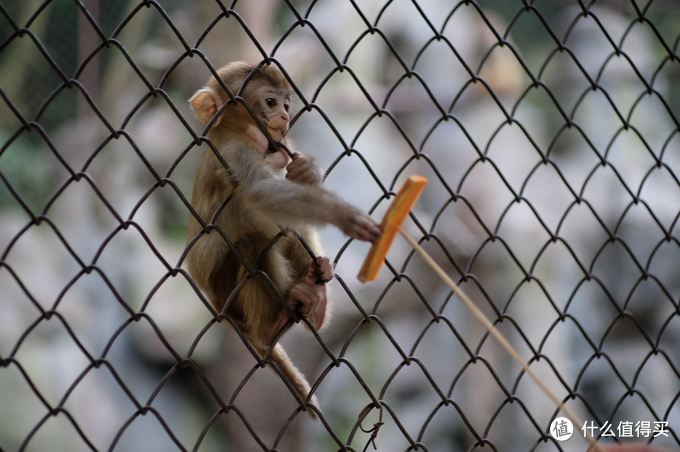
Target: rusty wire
(466, 268)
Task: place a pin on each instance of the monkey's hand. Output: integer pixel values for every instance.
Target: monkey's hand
(358, 224)
(303, 170)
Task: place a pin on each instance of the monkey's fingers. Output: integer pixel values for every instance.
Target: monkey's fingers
(372, 230)
(323, 269)
(311, 274)
(363, 228)
(300, 170)
(318, 272)
(394, 217)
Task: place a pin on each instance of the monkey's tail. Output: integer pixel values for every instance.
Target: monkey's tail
(294, 376)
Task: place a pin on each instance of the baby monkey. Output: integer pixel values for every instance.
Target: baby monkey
(270, 193)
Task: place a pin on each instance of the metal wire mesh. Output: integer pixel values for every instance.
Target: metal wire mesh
(549, 132)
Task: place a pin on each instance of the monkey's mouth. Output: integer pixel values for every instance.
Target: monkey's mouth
(276, 134)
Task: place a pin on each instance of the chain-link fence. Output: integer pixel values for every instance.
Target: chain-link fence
(548, 130)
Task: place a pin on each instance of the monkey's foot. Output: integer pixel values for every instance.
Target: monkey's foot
(321, 270)
(308, 296)
(309, 299)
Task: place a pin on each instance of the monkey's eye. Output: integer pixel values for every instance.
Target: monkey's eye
(286, 107)
(271, 102)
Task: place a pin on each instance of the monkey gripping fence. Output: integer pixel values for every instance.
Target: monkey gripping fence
(471, 268)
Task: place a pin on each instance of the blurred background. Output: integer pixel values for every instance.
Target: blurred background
(549, 131)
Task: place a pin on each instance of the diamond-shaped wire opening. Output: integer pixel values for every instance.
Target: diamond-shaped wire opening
(548, 132)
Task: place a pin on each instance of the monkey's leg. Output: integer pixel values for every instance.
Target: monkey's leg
(259, 310)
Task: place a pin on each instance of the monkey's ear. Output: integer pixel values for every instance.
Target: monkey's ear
(206, 103)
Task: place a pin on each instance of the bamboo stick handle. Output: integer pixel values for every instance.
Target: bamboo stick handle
(495, 333)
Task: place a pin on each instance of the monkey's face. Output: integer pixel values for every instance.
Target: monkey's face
(275, 108)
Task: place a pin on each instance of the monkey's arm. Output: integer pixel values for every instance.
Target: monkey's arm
(289, 203)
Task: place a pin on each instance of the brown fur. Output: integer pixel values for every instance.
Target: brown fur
(264, 202)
